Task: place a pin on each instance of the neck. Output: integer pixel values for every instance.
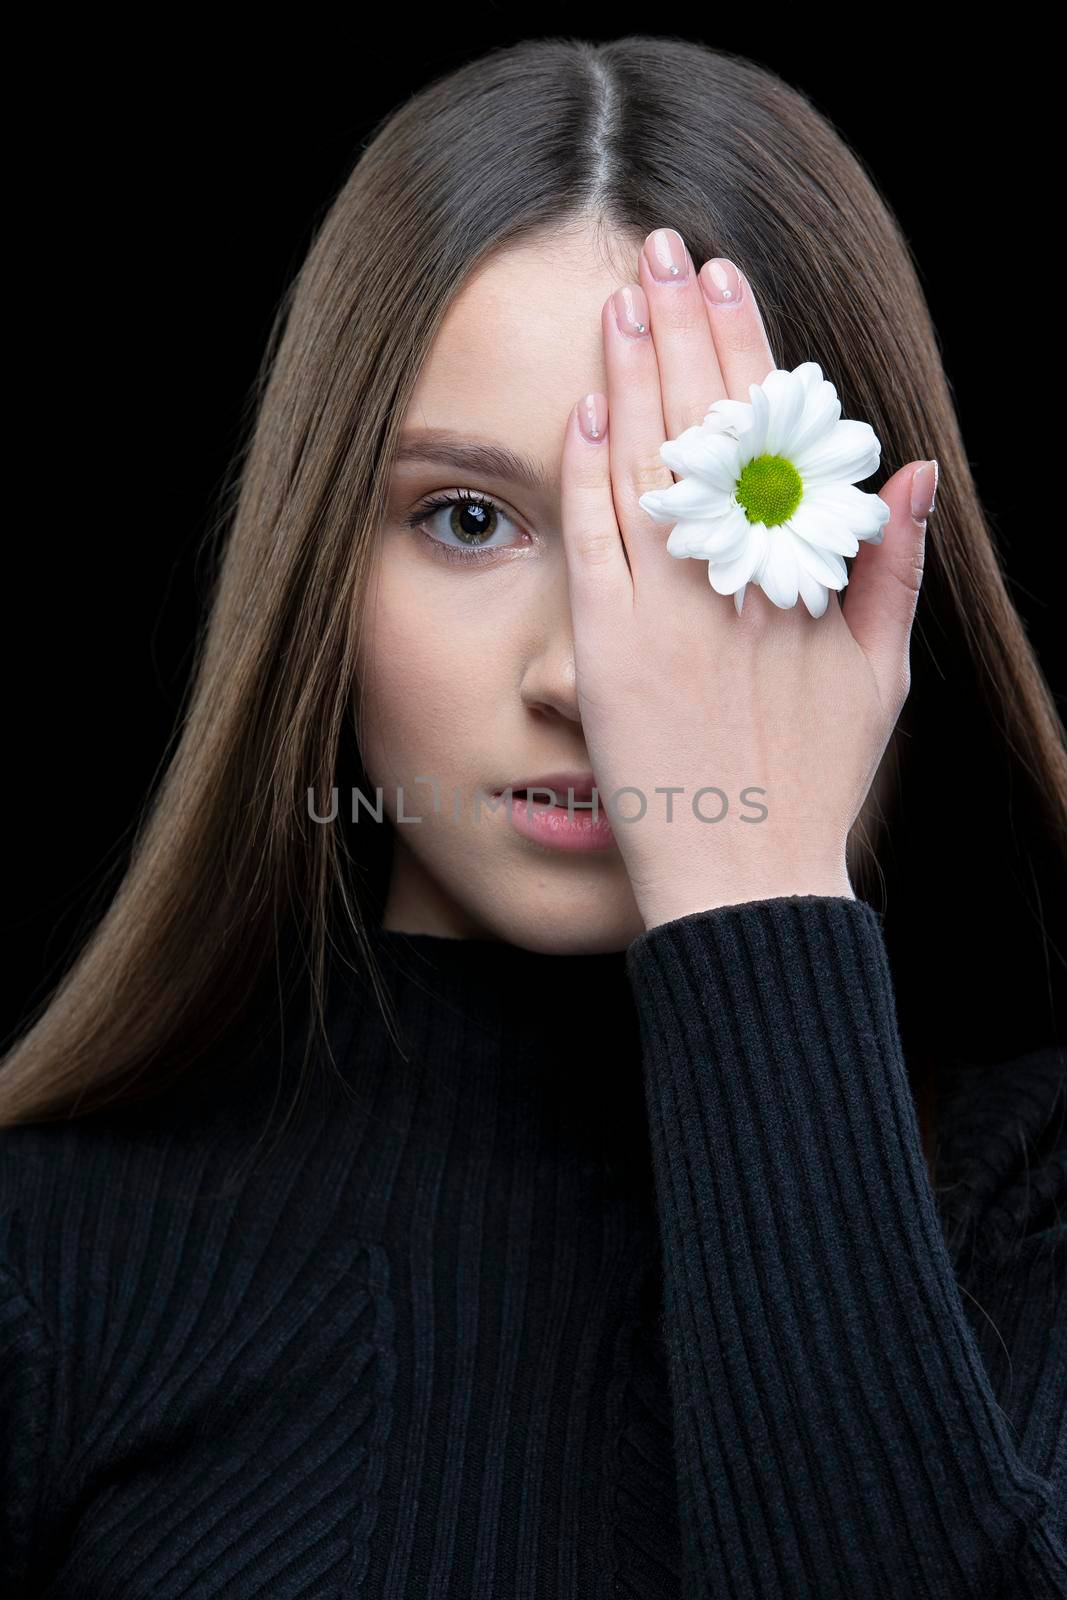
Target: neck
(500, 1029)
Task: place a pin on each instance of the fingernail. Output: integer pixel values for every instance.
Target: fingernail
(667, 257)
(631, 311)
(923, 490)
(593, 417)
(721, 282)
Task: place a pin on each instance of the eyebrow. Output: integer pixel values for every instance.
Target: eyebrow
(471, 455)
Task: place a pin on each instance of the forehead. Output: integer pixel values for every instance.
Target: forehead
(522, 341)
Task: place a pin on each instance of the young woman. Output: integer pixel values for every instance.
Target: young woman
(450, 1200)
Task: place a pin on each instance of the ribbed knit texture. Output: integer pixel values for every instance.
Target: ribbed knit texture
(626, 1279)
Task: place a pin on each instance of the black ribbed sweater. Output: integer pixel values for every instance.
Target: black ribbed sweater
(628, 1281)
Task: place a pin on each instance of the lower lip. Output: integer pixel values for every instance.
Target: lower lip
(561, 829)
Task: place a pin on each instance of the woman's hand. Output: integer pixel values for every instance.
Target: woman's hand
(675, 689)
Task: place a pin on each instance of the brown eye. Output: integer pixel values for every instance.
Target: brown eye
(461, 525)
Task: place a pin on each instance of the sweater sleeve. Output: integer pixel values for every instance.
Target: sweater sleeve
(836, 1428)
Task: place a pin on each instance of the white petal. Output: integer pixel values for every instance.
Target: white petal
(785, 398)
(851, 451)
(824, 566)
(650, 503)
(822, 526)
(814, 594)
(779, 576)
(718, 540)
(726, 576)
(739, 596)
(865, 514)
(688, 434)
(689, 497)
(822, 412)
(691, 539)
(754, 441)
(714, 457)
(724, 413)
(686, 537)
(811, 376)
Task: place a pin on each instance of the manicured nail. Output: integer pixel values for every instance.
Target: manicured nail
(631, 311)
(667, 256)
(923, 490)
(721, 282)
(593, 417)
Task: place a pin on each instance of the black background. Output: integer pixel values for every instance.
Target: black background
(169, 186)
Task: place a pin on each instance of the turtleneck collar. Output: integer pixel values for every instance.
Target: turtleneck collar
(492, 977)
(488, 1025)
(527, 1000)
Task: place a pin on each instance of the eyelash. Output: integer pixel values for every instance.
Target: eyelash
(447, 552)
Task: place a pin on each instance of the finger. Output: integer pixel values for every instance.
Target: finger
(689, 374)
(597, 573)
(636, 432)
(883, 585)
(742, 349)
(637, 435)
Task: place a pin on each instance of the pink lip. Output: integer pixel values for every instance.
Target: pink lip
(582, 783)
(565, 826)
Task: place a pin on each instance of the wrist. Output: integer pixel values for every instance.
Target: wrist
(657, 909)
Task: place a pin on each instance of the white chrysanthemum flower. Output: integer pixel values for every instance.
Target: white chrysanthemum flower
(766, 491)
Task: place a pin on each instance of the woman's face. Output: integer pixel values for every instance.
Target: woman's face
(467, 665)
(467, 661)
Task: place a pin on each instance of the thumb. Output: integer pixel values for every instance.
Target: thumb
(883, 585)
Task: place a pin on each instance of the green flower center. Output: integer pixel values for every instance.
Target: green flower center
(770, 488)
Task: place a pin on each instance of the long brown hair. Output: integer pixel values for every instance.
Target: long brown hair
(232, 888)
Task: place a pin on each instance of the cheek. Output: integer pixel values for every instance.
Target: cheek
(435, 676)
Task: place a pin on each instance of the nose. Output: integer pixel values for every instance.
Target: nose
(550, 681)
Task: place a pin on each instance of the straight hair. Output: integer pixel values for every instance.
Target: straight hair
(232, 895)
